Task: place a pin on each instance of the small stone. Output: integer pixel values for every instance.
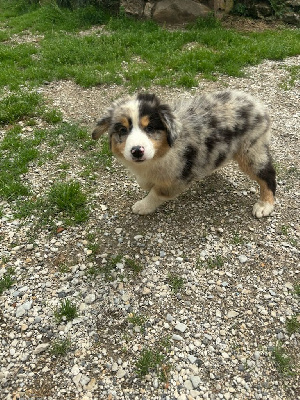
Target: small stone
(195, 381)
(169, 318)
(76, 379)
(180, 327)
(24, 327)
(256, 355)
(138, 237)
(75, 370)
(40, 348)
(243, 259)
(192, 358)
(178, 338)
(146, 290)
(188, 385)
(90, 298)
(20, 311)
(121, 373)
(91, 385)
(232, 314)
(84, 380)
(280, 335)
(114, 367)
(27, 305)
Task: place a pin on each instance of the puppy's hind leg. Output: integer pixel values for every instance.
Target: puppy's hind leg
(257, 164)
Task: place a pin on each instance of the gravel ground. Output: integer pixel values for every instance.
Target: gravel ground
(201, 284)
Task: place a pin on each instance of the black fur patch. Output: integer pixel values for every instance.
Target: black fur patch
(148, 103)
(220, 159)
(223, 96)
(147, 97)
(213, 122)
(210, 143)
(189, 155)
(268, 175)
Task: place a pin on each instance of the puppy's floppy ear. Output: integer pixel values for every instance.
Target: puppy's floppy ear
(169, 120)
(102, 127)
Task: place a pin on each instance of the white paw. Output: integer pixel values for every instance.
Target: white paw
(143, 207)
(262, 209)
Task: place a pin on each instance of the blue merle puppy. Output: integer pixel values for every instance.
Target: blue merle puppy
(167, 147)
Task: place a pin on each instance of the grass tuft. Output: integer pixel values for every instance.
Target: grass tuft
(7, 280)
(292, 325)
(60, 347)
(155, 360)
(19, 105)
(65, 311)
(282, 361)
(175, 282)
(69, 199)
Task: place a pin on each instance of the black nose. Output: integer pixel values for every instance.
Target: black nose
(137, 152)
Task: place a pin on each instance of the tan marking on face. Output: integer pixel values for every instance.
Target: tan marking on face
(144, 121)
(124, 121)
(161, 146)
(117, 148)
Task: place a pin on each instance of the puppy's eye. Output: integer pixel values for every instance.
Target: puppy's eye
(122, 131)
(149, 128)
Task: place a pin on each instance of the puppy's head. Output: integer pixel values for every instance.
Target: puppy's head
(140, 128)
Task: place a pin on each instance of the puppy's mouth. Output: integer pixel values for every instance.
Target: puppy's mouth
(138, 160)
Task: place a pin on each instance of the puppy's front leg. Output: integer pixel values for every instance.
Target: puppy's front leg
(149, 203)
(156, 197)
(144, 184)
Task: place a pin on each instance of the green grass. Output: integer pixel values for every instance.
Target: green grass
(65, 311)
(68, 199)
(155, 360)
(237, 239)
(7, 280)
(133, 265)
(293, 75)
(211, 263)
(16, 153)
(175, 282)
(100, 156)
(292, 325)
(152, 53)
(65, 201)
(137, 320)
(282, 360)
(297, 289)
(17, 105)
(106, 269)
(60, 347)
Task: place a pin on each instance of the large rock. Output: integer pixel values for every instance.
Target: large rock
(291, 18)
(179, 11)
(134, 8)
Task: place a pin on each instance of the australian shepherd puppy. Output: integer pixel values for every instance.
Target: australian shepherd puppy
(167, 147)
